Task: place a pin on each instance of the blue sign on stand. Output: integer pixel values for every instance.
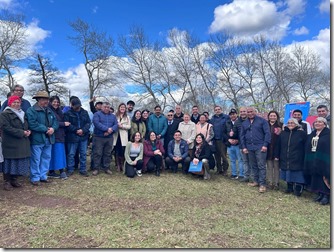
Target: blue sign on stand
(290, 107)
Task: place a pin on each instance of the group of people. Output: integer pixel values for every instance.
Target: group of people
(46, 140)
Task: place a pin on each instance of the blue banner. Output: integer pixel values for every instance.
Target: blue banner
(290, 107)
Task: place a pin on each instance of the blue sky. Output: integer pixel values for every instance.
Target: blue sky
(290, 20)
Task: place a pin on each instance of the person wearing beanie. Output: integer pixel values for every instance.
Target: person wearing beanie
(15, 143)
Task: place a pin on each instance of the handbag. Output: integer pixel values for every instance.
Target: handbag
(195, 168)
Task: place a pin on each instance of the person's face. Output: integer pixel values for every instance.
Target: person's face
(250, 113)
(322, 112)
(137, 137)
(16, 104)
(18, 91)
(297, 115)
(218, 110)
(170, 116)
(195, 110)
(157, 111)
(55, 103)
(291, 125)
(138, 115)
(178, 110)
(206, 116)
(186, 118)
(43, 102)
(233, 116)
(145, 115)
(177, 136)
(153, 136)
(202, 119)
(272, 117)
(199, 140)
(122, 109)
(130, 107)
(99, 106)
(319, 125)
(105, 108)
(243, 113)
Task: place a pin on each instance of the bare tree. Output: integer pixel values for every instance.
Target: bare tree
(97, 48)
(45, 76)
(139, 65)
(12, 46)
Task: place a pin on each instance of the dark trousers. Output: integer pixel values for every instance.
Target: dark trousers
(155, 163)
(102, 152)
(185, 163)
(130, 169)
(220, 156)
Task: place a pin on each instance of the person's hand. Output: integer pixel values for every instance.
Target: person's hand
(245, 151)
(264, 149)
(50, 131)
(195, 161)
(27, 133)
(134, 162)
(67, 124)
(109, 130)
(79, 132)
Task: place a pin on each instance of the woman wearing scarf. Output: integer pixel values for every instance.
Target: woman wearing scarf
(15, 143)
(317, 160)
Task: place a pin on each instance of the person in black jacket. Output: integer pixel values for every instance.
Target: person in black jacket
(77, 134)
(202, 152)
(289, 151)
(172, 126)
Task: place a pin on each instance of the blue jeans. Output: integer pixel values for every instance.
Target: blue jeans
(234, 154)
(40, 161)
(257, 160)
(72, 148)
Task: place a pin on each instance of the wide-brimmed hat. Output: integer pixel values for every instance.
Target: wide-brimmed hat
(41, 94)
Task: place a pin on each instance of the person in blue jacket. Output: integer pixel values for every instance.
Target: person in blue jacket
(157, 123)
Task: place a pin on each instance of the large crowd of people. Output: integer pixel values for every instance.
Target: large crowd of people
(46, 141)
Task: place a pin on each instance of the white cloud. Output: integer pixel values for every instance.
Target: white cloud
(319, 44)
(301, 31)
(245, 18)
(5, 4)
(35, 34)
(324, 6)
(95, 9)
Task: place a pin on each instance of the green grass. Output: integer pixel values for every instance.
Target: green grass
(170, 211)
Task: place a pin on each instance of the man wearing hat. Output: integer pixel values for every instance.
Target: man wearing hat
(77, 135)
(42, 123)
(231, 140)
(130, 106)
(95, 107)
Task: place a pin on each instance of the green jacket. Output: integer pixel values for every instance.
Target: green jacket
(39, 121)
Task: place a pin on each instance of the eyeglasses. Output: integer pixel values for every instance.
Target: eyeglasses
(169, 115)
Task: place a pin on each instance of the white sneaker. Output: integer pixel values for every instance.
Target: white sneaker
(139, 174)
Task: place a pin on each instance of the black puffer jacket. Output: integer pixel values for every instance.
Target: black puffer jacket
(78, 120)
(290, 149)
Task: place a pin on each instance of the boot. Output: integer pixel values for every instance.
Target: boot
(206, 174)
(13, 181)
(118, 163)
(289, 189)
(324, 200)
(157, 172)
(319, 197)
(121, 162)
(298, 189)
(7, 186)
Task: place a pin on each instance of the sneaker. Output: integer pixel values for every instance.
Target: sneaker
(108, 171)
(139, 174)
(234, 177)
(84, 174)
(63, 175)
(253, 184)
(70, 173)
(95, 172)
(45, 181)
(53, 175)
(262, 189)
(35, 183)
(7, 186)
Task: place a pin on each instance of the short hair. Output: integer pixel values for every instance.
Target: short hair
(172, 111)
(322, 106)
(17, 86)
(157, 106)
(73, 97)
(177, 131)
(131, 102)
(104, 103)
(298, 111)
(99, 102)
(195, 106)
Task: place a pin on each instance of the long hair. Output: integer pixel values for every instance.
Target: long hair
(278, 121)
(134, 117)
(118, 113)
